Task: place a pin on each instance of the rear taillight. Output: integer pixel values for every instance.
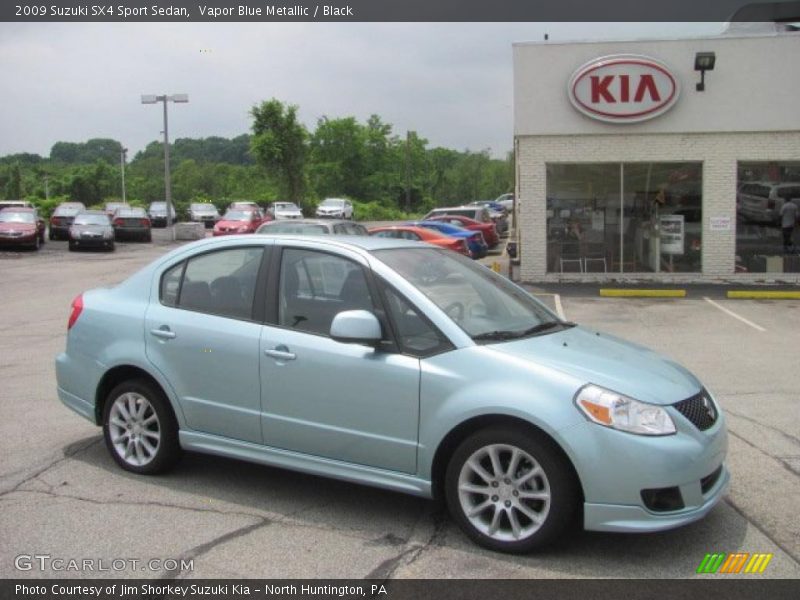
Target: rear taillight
(77, 308)
(146, 222)
(55, 221)
(117, 222)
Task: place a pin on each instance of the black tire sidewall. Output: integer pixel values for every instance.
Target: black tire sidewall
(564, 489)
(169, 447)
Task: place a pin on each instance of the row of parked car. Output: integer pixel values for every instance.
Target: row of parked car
(470, 229)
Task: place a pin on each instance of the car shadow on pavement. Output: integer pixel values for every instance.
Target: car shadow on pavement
(380, 517)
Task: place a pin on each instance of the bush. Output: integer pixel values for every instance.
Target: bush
(374, 211)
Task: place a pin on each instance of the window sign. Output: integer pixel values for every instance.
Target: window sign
(671, 234)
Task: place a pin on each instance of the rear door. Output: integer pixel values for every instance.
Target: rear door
(202, 334)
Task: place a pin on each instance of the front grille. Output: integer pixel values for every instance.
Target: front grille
(707, 482)
(699, 410)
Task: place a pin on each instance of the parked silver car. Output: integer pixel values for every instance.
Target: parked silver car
(203, 212)
(399, 365)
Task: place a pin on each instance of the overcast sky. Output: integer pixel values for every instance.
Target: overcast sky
(452, 83)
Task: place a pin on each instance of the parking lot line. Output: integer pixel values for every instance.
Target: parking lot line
(559, 308)
(733, 314)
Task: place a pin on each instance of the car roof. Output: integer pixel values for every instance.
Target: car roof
(29, 209)
(92, 212)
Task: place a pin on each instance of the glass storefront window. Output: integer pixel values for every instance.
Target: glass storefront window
(767, 212)
(624, 218)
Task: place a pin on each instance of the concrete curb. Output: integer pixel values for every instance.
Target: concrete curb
(627, 293)
(769, 295)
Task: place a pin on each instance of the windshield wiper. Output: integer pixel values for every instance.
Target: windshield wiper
(513, 335)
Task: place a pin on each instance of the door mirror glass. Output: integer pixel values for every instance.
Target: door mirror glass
(356, 327)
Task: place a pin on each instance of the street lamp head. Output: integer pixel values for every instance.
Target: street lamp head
(149, 99)
(179, 97)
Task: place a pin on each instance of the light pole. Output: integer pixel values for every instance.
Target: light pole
(153, 99)
(122, 153)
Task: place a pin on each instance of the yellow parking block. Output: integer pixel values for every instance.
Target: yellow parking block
(765, 294)
(627, 293)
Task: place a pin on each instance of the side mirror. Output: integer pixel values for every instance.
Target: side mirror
(356, 327)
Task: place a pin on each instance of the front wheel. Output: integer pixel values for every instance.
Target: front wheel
(139, 428)
(510, 490)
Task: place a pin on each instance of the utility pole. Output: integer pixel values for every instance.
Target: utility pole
(46, 188)
(408, 171)
(122, 153)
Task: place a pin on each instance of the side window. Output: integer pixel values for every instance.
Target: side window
(315, 286)
(171, 284)
(340, 229)
(384, 234)
(416, 335)
(222, 283)
(409, 235)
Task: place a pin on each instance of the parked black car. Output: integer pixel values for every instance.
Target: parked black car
(132, 223)
(61, 219)
(91, 229)
(158, 214)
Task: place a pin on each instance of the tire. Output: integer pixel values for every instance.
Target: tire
(37, 243)
(148, 237)
(51, 236)
(140, 429)
(111, 247)
(72, 247)
(542, 474)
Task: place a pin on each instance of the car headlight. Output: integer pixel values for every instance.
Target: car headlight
(108, 234)
(614, 410)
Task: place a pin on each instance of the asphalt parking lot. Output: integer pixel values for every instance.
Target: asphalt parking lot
(62, 495)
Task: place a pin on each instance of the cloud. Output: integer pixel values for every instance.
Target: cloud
(449, 82)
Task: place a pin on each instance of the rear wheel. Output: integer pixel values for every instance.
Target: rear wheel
(72, 247)
(50, 235)
(139, 428)
(511, 490)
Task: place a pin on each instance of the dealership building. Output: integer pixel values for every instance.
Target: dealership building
(668, 160)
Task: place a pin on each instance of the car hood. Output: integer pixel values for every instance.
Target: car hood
(224, 223)
(24, 227)
(607, 361)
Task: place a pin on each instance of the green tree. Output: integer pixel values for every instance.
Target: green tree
(279, 144)
(13, 187)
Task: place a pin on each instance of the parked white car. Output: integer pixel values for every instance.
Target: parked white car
(285, 210)
(335, 208)
(761, 201)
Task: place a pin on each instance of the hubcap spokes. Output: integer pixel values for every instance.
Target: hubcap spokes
(134, 429)
(504, 492)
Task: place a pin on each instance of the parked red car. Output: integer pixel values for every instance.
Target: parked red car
(420, 234)
(489, 230)
(239, 220)
(21, 227)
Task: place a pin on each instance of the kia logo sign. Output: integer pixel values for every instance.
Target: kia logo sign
(623, 89)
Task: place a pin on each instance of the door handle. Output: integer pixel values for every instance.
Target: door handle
(280, 353)
(163, 333)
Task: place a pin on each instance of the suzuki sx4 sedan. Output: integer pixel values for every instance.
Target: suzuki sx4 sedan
(399, 365)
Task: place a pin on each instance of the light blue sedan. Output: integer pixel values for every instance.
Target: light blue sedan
(398, 365)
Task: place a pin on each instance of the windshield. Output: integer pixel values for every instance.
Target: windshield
(286, 206)
(16, 217)
(158, 206)
(332, 202)
(203, 207)
(238, 215)
(131, 212)
(302, 228)
(90, 220)
(485, 305)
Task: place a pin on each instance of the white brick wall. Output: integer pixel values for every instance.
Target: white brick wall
(719, 154)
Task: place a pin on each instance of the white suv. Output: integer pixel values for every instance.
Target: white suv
(335, 208)
(761, 201)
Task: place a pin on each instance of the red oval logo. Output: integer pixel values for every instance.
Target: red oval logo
(623, 88)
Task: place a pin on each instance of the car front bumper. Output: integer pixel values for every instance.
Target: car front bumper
(99, 242)
(615, 467)
(18, 240)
